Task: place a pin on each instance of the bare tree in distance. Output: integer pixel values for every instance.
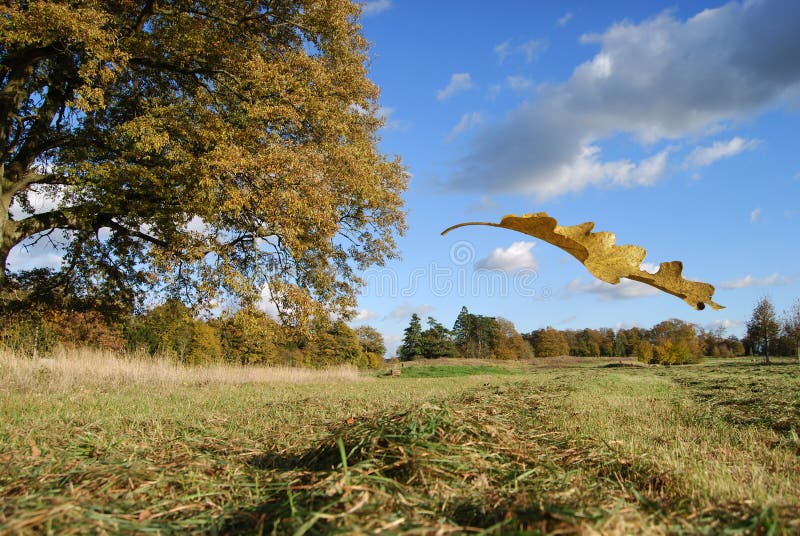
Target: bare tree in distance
(791, 326)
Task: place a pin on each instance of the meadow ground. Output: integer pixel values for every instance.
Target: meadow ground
(93, 443)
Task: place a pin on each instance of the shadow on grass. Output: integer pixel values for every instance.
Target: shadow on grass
(482, 462)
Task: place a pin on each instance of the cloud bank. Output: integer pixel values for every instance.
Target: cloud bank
(661, 79)
(747, 281)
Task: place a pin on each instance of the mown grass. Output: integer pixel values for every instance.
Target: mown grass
(452, 371)
(623, 450)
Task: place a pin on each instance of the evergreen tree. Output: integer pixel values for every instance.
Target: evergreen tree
(462, 328)
(412, 340)
(437, 341)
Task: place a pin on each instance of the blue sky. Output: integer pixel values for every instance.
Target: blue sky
(672, 124)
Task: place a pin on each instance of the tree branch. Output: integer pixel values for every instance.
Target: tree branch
(80, 218)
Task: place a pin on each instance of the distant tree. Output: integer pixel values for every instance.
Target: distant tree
(735, 345)
(373, 347)
(605, 339)
(675, 342)
(549, 342)
(791, 326)
(249, 336)
(510, 344)
(206, 346)
(763, 328)
(371, 340)
(437, 341)
(630, 338)
(78, 329)
(462, 328)
(166, 329)
(585, 344)
(336, 344)
(644, 351)
(475, 335)
(411, 348)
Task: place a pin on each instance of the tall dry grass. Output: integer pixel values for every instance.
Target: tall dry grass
(89, 368)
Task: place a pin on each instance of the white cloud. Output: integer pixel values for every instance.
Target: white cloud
(468, 121)
(532, 49)
(755, 215)
(484, 204)
(458, 82)
(389, 123)
(405, 310)
(519, 83)
(267, 304)
(564, 19)
(517, 256)
(649, 267)
(587, 169)
(725, 323)
(625, 290)
(375, 7)
(42, 198)
(503, 50)
(392, 343)
(661, 79)
(773, 280)
(40, 251)
(196, 225)
(365, 315)
(626, 325)
(704, 156)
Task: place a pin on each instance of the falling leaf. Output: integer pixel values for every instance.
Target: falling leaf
(604, 259)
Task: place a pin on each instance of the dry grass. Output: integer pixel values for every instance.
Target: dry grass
(568, 361)
(590, 449)
(87, 368)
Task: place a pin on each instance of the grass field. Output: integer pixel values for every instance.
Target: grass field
(573, 446)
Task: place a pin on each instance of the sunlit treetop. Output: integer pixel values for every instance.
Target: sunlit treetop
(208, 150)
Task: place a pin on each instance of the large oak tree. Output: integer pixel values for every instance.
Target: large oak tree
(201, 148)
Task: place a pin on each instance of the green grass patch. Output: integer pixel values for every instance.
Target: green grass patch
(452, 371)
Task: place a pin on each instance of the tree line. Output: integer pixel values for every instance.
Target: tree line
(247, 336)
(672, 341)
(474, 336)
(769, 334)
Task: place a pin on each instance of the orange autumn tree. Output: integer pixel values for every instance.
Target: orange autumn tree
(207, 150)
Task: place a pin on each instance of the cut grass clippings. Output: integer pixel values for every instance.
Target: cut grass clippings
(453, 371)
(618, 451)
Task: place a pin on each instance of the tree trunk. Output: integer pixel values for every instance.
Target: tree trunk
(5, 246)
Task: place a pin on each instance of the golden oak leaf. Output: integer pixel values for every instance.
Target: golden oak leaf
(604, 259)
